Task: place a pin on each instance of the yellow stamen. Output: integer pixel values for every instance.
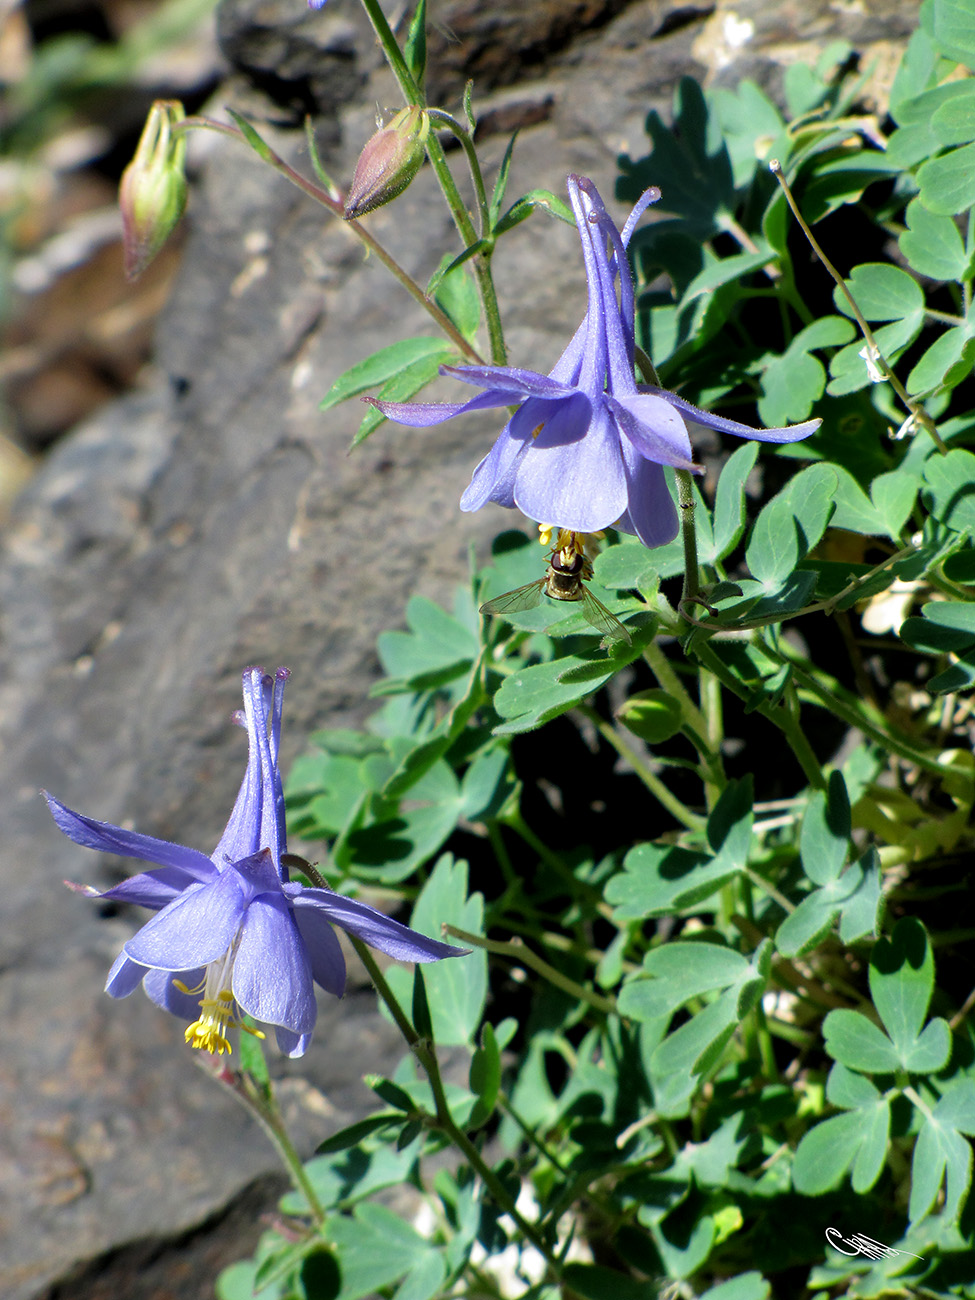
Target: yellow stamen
(545, 532)
(219, 1009)
(537, 431)
(207, 1033)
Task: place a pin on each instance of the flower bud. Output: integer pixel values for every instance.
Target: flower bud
(152, 194)
(388, 163)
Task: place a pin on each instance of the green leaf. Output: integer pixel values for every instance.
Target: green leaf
(842, 180)
(882, 292)
(933, 244)
(423, 1281)
(526, 205)
(659, 880)
(826, 828)
(815, 916)
(729, 503)
(794, 381)
(457, 295)
(848, 367)
(485, 1077)
(951, 480)
(374, 1248)
(901, 983)
(893, 496)
(862, 911)
(946, 362)
(790, 526)
(942, 1153)
(698, 1044)
(596, 1282)
(420, 1006)
(415, 47)
(729, 827)
(353, 1135)
(401, 388)
(435, 640)
(724, 270)
(680, 971)
(954, 30)
(954, 122)
(501, 182)
(746, 1286)
(253, 138)
(540, 692)
(857, 1043)
(456, 988)
(382, 366)
(948, 183)
(858, 1138)
(916, 71)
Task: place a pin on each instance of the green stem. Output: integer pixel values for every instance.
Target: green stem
(473, 163)
(692, 821)
(685, 498)
(274, 1127)
(425, 1054)
(336, 208)
(261, 1103)
(915, 408)
(516, 950)
(797, 741)
(482, 263)
(856, 714)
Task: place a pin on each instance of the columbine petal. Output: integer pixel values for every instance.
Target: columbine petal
(652, 515)
(421, 415)
(375, 928)
(654, 428)
(511, 381)
(324, 950)
(153, 889)
(792, 433)
(196, 929)
(162, 988)
(272, 974)
(128, 844)
(291, 1044)
(580, 484)
(125, 976)
(494, 477)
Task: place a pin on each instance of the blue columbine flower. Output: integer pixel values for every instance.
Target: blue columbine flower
(231, 933)
(584, 449)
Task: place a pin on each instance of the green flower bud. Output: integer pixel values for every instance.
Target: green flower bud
(152, 194)
(388, 163)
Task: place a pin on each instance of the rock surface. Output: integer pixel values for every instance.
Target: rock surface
(215, 520)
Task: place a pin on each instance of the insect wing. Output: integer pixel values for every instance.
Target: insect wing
(596, 613)
(513, 602)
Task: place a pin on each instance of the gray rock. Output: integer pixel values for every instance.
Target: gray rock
(216, 520)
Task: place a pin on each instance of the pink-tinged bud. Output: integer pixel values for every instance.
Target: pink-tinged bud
(388, 163)
(152, 194)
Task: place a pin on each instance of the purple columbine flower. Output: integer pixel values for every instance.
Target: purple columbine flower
(231, 933)
(586, 446)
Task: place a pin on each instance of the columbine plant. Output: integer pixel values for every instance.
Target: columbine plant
(232, 934)
(586, 446)
(706, 1033)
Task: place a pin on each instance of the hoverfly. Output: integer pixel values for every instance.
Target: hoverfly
(568, 571)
